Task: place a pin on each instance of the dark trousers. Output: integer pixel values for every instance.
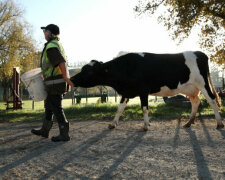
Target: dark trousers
(53, 105)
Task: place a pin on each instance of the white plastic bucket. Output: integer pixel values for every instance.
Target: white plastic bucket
(33, 81)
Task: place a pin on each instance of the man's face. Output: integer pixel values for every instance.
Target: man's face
(47, 34)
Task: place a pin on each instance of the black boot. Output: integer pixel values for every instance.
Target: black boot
(44, 131)
(64, 133)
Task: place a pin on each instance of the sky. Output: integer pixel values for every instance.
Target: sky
(100, 29)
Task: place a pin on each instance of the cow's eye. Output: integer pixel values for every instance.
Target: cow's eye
(84, 69)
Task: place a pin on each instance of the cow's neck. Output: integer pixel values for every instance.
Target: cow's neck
(108, 81)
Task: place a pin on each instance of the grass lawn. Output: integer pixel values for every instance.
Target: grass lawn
(106, 111)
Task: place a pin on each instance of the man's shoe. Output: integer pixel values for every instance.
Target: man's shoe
(64, 133)
(44, 131)
(40, 132)
(60, 138)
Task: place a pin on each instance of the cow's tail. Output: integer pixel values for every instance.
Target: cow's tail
(204, 62)
(218, 100)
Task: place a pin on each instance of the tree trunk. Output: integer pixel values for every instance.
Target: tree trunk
(5, 90)
(5, 93)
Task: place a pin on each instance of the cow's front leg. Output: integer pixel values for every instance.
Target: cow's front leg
(123, 103)
(144, 106)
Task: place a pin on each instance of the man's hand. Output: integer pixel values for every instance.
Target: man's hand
(69, 82)
(62, 67)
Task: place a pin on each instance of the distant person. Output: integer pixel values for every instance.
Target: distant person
(56, 80)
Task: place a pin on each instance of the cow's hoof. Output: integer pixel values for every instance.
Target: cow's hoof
(220, 126)
(111, 126)
(145, 129)
(187, 125)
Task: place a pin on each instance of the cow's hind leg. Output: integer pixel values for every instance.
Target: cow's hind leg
(195, 101)
(123, 103)
(212, 101)
(144, 106)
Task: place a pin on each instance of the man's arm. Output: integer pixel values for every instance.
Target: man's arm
(57, 59)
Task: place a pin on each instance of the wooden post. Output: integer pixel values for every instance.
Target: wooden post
(86, 92)
(17, 103)
(32, 105)
(15, 88)
(115, 96)
(72, 91)
(223, 84)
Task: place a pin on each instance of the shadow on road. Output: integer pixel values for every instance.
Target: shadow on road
(41, 147)
(202, 167)
(129, 147)
(176, 136)
(222, 132)
(76, 153)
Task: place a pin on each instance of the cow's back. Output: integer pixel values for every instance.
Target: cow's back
(148, 72)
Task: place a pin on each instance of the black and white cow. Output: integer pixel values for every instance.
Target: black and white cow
(143, 74)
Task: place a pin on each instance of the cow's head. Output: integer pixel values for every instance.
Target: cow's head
(89, 76)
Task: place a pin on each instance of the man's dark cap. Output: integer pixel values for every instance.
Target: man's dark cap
(54, 29)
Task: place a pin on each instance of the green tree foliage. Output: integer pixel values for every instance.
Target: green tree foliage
(180, 16)
(17, 48)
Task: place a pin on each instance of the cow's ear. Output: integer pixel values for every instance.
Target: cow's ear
(97, 62)
(92, 62)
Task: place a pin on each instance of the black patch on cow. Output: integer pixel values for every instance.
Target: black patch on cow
(133, 75)
(203, 66)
